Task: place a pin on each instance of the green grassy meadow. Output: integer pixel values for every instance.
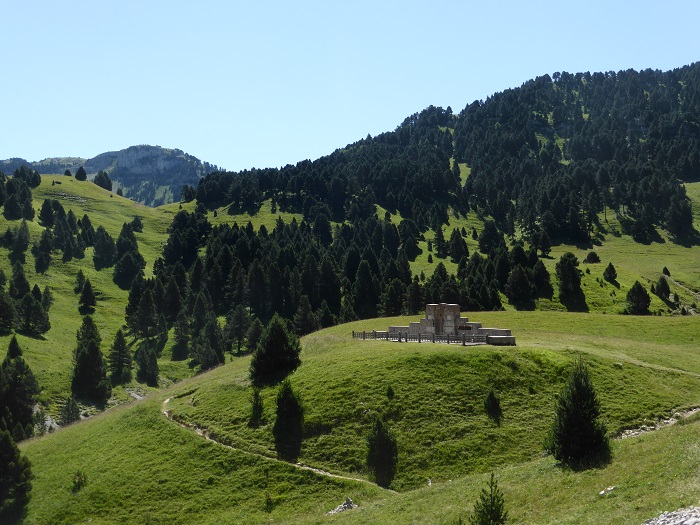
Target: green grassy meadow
(142, 466)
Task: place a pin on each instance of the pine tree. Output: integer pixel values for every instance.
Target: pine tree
(382, 453)
(489, 509)
(119, 359)
(15, 474)
(89, 370)
(87, 300)
(70, 412)
(638, 300)
(662, 288)
(578, 438)
(610, 274)
(81, 174)
(253, 335)
(237, 324)
(277, 353)
(18, 388)
(182, 336)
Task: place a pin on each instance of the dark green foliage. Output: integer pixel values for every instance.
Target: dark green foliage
(382, 453)
(19, 286)
(119, 360)
(18, 390)
(147, 363)
(304, 318)
(277, 353)
(591, 258)
(256, 408)
(489, 509)
(288, 429)
(610, 274)
(15, 475)
(237, 324)
(31, 317)
(492, 406)
(20, 243)
(81, 174)
(666, 272)
(182, 337)
(578, 438)
(87, 300)
(79, 481)
(662, 288)
(89, 370)
(102, 180)
(146, 316)
(638, 300)
(79, 282)
(254, 334)
(70, 412)
(7, 312)
(105, 250)
(568, 276)
(490, 238)
(365, 292)
(520, 287)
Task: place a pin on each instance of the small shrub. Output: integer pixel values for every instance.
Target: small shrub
(79, 481)
(489, 509)
(390, 392)
(591, 258)
(666, 272)
(256, 411)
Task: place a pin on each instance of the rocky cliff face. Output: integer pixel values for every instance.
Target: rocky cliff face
(148, 174)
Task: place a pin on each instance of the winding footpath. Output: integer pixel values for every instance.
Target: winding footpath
(205, 434)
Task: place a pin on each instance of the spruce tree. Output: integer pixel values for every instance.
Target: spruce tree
(119, 359)
(87, 300)
(18, 389)
(15, 475)
(578, 438)
(89, 370)
(70, 412)
(277, 353)
(610, 274)
(638, 300)
(489, 509)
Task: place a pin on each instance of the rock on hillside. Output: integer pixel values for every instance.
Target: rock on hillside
(148, 174)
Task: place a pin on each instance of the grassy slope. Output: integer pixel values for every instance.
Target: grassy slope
(642, 368)
(50, 357)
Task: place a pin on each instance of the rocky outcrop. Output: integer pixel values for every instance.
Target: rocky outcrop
(690, 516)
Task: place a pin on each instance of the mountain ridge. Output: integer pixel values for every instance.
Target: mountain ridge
(151, 175)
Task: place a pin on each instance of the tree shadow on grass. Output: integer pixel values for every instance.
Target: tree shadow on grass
(575, 302)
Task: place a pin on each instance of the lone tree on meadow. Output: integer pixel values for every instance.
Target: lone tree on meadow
(610, 274)
(382, 453)
(489, 509)
(277, 353)
(578, 438)
(638, 300)
(81, 174)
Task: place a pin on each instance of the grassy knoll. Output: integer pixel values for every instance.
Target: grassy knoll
(50, 356)
(141, 466)
(643, 368)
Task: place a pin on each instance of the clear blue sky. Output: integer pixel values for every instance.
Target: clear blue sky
(243, 84)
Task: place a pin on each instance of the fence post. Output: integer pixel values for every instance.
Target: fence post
(464, 340)
(363, 335)
(448, 339)
(353, 334)
(419, 337)
(374, 334)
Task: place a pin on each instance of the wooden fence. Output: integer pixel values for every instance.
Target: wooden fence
(402, 337)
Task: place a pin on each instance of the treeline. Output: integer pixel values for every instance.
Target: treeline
(552, 154)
